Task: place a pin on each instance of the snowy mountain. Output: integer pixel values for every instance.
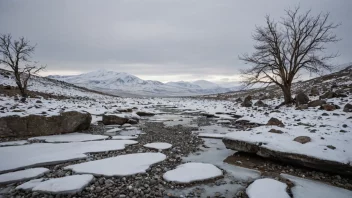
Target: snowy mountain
(129, 85)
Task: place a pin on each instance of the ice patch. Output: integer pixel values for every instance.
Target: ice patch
(122, 165)
(70, 137)
(267, 188)
(158, 145)
(49, 153)
(313, 189)
(124, 137)
(22, 175)
(211, 135)
(190, 172)
(64, 185)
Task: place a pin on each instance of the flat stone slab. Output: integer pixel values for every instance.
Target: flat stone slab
(267, 188)
(314, 189)
(316, 154)
(64, 185)
(158, 145)
(39, 154)
(191, 172)
(70, 137)
(22, 175)
(122, 165)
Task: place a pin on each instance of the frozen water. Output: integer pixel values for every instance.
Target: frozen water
(121, 165)
(43, 154)
(190, 172)
(158, 145)
(70, 137)
(267, 188)
(13, 143)
(22, 175)
(313, 189)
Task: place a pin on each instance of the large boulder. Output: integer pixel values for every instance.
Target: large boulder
(247, 101)
(37, 125)
(314, 91)
(328, 107)
(290, 158)
(114, 119)
(347, 108)
(145, 113)
(316, 103)
(301, 98)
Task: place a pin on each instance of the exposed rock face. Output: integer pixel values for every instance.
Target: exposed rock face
(36, 125)
(302, 139)
(247, 102)
(347, 108)
(260, 103)
(316, 103)
(275, 122)
(114, 119)
(291, 158)
(302, 98)
(143, 113)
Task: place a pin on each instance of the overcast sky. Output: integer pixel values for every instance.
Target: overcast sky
(166, 40)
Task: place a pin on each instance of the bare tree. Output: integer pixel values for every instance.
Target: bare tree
(296, 43)
(16, 54)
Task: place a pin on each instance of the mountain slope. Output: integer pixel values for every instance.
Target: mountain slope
(127, 84)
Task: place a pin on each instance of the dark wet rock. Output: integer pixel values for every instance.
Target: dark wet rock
(208, 115)
(143, 113)
(316, 103)
(290, 158)
(301, 98)
(275, 131)
(132, 121)
(275, 122)
(128, 110)
(114, 119)
(260, 103)
(302, 139)
(36, 125)
(347, 108)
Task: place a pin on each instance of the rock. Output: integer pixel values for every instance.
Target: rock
(260, 103)
(314, 91)
(8, 87)
(302, 139)
(316, 103)
(301, 98)
(38, 125)
(238, 100)
(328, 107)
(347, 108)
(276, 131)
(125, 110)
(208, 115)
(114, 119)
(327, 95)
(143, 113)
(302, 107)
(275, 122)
(38, 101)
(290, 158)
(132, 121)
(247, 102)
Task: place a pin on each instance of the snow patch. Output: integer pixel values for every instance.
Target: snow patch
(70, 137)
(158, 145)
(267, 188)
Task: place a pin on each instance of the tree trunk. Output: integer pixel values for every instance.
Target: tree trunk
(287, 94)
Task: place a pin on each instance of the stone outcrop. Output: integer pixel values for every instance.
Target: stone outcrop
(37, 125)
(316, 103)
(290, 158)
(247, 102)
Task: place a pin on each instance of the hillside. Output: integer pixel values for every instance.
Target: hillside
(129, 85)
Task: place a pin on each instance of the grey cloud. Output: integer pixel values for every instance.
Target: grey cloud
(154, 37)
